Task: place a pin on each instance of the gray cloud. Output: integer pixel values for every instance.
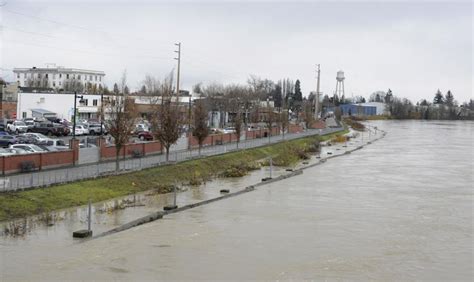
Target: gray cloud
(413, 48)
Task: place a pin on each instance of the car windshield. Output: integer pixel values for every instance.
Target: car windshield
(41, 136)
(60, 143)
(36, 148)
(20, 123)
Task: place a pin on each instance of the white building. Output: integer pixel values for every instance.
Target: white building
(60, 78)
(30, 104)
(380, 107)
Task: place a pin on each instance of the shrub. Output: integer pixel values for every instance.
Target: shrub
(136, 153)
(26, 166)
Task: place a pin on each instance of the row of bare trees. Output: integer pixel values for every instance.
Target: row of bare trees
(241, 104)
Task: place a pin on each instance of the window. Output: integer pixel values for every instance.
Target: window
(60, 83)
(90, 77)
(46, 75)
(79, 76)
(39, 75)
(54, 84)
(96, 78)
(60, 75)
(94, 102)
(67, 76)
(100, 78)
(18, 75)
(23, 114)
(86, 102)
(24, 75)
(42, 100)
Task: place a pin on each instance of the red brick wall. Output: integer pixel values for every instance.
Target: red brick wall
(295, 128)
(11, 164)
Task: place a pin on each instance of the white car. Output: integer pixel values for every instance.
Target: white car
(55, 145)
(37, 136)
(229, 130)
(84, 128)
(30, 148)
(17, 126)
(11, 152)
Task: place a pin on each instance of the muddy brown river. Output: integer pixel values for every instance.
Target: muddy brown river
(399, 209)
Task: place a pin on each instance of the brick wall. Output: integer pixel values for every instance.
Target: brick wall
(12, 164)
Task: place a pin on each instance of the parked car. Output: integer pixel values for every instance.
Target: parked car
(145, 136)
(30, 148)
(26, 139)
(229, 130)
(6, 152)
(38, 137)
(4, 133)
(53, 145)
(48, 129)
(84, 127)
(7, 140)
(94, 128)
(17, 126)
(16, 151)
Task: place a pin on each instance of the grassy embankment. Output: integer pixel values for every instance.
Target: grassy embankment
(30, 202)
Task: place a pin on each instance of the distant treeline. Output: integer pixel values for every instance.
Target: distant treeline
(443, 107)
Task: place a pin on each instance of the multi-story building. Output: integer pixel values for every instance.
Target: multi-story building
(60, 79)
(8, 99)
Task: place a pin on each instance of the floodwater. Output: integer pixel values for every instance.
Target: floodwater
(399, 209)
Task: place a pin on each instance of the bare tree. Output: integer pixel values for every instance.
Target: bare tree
(166, 120)
(200, 130)
(283, 122)
(308, 113)
(238, 125)
(121, 118)
(269, 120)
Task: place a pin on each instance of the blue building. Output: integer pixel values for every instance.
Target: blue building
(355, 110)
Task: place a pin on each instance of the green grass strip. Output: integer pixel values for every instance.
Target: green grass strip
(30, 202)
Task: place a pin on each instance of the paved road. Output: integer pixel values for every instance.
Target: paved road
(63, 175)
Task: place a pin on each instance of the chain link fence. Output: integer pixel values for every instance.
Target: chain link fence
(90, 171)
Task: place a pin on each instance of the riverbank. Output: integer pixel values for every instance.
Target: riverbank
(160, 179)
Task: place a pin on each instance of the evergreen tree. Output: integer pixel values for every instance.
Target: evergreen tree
(298, 96)
(116, 89)
(449, 99)
(389, 97)
(438, 99)
(277, 96)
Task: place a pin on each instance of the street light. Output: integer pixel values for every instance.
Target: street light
(75, 113)
(102, 113)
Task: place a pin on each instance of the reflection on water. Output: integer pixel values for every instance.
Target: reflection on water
(399, 209)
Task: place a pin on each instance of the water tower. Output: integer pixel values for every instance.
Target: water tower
(340, 84)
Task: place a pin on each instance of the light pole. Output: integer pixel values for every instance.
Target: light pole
(101, 114)
(75, 113)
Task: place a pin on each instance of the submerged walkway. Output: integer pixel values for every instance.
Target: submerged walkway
(71, 174)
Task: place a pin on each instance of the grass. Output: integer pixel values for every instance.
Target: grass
(30, 202)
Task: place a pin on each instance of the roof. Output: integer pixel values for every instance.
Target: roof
(58, 69)
(42, 111)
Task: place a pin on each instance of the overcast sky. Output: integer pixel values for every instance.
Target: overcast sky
(414, 48)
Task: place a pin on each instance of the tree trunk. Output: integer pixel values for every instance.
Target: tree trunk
(199, 149)
(167, 153)
(117, 159)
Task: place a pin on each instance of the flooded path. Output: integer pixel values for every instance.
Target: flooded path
(400, 209)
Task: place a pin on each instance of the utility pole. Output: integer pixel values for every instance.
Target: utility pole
(316, 104)
(179, 65)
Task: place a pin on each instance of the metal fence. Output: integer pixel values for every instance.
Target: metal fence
(89, 171)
